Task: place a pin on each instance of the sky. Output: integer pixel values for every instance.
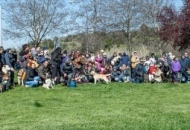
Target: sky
(18, 43)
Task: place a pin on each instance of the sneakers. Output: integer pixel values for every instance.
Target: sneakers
(27, 86)
(126, 81)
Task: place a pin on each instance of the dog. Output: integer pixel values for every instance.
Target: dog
(6, 69)
(20, 77)
(100, 76)
(5, 74)
(49, 83)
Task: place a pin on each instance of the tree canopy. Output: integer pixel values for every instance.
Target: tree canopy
(175, 26)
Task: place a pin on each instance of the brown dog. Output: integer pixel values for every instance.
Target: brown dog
(20, 77)
(100, 76)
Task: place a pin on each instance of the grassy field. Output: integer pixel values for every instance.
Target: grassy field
(115, 106)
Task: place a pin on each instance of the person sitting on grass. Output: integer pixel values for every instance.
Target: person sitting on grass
(68, 72)
(157, 75)
(124, 73)
(115, 73)
(43, 72)
(32, 77)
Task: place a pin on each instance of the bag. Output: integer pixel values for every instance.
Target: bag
(72, 84)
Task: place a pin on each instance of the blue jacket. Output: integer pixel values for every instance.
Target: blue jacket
(10, 59)
(139, 71)
(125, 60)
(184, 64)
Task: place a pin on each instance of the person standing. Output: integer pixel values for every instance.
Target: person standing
(55, 60)
(175, 66)
(10, 61)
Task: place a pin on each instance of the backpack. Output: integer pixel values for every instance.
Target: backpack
(72, 84)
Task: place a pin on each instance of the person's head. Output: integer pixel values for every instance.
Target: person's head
(183, 57)
(152, 55)
(1, 49)
(147, 58)
(157, 66)
(114, 68)
(72, 52)
(25, 47)
(175, 58)
(14, 51)
(78, 52)
(87, 55)
(142, 61)
(101, 51)
(104, 54)
(41, 53)
(33, 66)
(65, 52)
(38, 49)
(123, 67)
(97, 55)
(45, 63)
(164, 55)
(186, 54)
(134, 53)
(115, 54)
(9, 50)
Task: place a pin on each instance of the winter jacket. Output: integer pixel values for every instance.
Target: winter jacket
(30, 74)
(125, 60)
(99, 61)
(104, 61)
(184, 64)
(56, 57)
(66, 68)
(10, 59)
(175, 66)
(139, 72)
(115, 74)
(43, 71)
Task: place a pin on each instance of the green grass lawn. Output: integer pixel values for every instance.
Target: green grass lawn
(114, 106)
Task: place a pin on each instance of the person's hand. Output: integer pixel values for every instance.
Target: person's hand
(65, 75)
(12, 69)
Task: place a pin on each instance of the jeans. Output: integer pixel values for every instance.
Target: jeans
(184, 73)
(175, 76)
(33, 83)
(70, 76)
(121, 78)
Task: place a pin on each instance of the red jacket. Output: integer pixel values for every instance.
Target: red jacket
(151, 69)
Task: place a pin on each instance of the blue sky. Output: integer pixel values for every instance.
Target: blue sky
(17, 43)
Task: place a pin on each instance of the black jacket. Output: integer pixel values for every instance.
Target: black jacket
(56, 56)
(139, 71)
(67, 68)
(30, 74)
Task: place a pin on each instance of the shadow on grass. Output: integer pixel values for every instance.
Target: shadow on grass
(37, 104)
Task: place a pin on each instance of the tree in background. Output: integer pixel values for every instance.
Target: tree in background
(34, 19)
(174, 26)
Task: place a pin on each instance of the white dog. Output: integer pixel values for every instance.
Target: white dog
(48, 84)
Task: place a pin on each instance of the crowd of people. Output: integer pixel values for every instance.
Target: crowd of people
(62, 67)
